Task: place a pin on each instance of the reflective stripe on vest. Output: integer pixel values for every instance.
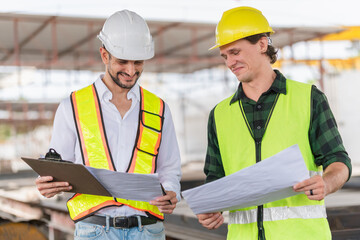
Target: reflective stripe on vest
(150, 128)
(89, 125)
(314, 173)
(288, 125)
(96, 153)
(278, 213)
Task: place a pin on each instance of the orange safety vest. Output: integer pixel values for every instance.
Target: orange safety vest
(96, 153)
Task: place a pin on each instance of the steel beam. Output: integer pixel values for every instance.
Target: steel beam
(27, 39)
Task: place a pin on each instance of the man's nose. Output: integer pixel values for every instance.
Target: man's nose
(130, 69)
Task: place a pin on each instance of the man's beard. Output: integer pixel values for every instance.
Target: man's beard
(117, 80)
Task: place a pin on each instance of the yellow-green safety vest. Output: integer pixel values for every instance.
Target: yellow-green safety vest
(96, 153)
(292, 218)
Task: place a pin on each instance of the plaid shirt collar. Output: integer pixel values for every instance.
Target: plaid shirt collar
(278, 86)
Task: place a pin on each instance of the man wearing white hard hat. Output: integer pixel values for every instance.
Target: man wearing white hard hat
(267, 114)
(116, 124)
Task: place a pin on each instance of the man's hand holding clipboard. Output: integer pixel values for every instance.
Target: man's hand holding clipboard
(48, 188)
(46, 184)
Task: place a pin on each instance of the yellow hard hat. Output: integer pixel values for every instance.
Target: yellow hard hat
(238, 23)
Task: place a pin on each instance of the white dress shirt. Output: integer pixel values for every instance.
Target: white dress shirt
(121, 135)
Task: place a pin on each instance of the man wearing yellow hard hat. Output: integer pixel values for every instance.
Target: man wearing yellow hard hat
(267, 114)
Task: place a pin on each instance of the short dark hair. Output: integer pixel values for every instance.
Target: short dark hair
(271, 52)
(103, 46)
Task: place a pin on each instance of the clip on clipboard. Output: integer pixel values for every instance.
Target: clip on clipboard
(81, 180)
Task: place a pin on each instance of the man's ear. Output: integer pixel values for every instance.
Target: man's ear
(263, 43)
(104, 55)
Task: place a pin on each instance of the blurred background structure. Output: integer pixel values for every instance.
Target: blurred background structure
(50, 49)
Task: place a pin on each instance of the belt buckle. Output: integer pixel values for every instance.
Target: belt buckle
(124, 222)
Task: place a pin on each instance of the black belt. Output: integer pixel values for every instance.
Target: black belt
(120, 222)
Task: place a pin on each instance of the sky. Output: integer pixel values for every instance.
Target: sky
(278, 12)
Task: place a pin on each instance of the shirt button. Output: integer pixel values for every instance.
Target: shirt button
(259, 106)
(258, 127)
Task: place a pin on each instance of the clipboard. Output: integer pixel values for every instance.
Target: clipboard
(81, 180)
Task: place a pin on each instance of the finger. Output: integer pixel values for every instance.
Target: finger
(210, 221)
(167, 207)
(306, 188)
(51, 189)
(50, 192)
(308, 183)
(318, 186)
(159, 203)
(43, 179)
(212, 224)
(312, 197)
(301, 185)
(215, 222)
(55, 189)
(167, 210)
(317, 194)
(54, 185)
(48, 195)
(204, 216)
(174, 200)
(170, 196)
(310, 192)
(219, 223)
(164, 201)
(163, 198)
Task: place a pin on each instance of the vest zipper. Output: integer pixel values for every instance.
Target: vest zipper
(260, 209)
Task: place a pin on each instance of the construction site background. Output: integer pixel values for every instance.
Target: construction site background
(191, 80)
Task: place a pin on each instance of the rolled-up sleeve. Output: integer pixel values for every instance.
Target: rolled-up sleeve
(213, 168)
(325, 139)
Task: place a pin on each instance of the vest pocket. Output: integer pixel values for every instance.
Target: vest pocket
(151, 120)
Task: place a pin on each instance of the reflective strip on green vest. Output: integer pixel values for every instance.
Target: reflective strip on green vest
(314, 173)
(278, 213)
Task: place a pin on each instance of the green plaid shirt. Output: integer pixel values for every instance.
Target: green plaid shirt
(324, 137)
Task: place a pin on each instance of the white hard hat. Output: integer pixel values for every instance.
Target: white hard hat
(127, 36)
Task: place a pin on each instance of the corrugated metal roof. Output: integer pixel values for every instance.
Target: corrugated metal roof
(59, 42)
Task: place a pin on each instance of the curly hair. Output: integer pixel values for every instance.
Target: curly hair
(271, 52)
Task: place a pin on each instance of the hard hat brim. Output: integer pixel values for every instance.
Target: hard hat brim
(271, 31)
